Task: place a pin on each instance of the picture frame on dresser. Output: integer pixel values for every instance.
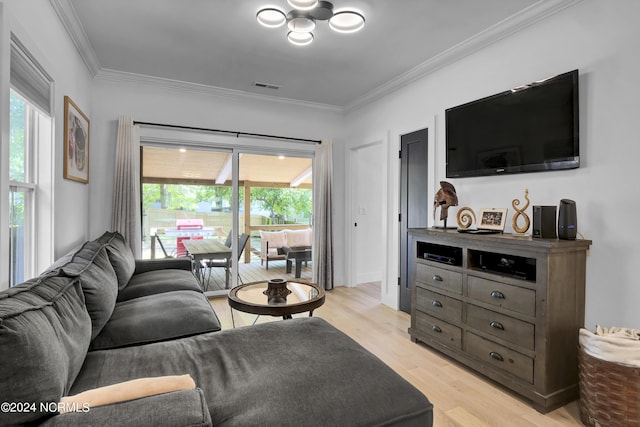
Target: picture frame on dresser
(493, 219)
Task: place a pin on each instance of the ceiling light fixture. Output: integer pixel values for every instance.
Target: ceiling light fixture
(300, 39)
(301, 21)
(271, 17)
(346, 21)
(303, 4)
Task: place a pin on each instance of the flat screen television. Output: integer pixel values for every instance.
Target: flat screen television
(530, 128)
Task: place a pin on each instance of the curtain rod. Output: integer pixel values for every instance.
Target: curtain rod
(236, 133)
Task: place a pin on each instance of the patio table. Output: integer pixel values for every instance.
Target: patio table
(206, 249)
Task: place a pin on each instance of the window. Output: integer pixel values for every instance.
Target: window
(21, 189)
(30, 165)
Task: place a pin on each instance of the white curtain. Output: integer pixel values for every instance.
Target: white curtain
(322, 224)
(125, 216)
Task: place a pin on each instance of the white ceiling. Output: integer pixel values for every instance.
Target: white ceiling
(218, 43)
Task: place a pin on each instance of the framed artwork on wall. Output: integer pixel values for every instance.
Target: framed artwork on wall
(76, 142)
(493, 219)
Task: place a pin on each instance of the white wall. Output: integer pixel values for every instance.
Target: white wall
(603, 42)
(154, 103)
(37, 26)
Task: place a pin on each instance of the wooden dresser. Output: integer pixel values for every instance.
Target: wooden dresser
(507, 306)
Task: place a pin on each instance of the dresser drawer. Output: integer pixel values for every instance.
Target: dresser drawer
(499, 356)
(438, 330)
(513, 330)
(438, 305)
(511, 297)
(439, 278)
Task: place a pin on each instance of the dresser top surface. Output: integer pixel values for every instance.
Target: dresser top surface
(453, 235)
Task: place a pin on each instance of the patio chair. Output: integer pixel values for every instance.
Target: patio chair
(226, 262)
(166, 254)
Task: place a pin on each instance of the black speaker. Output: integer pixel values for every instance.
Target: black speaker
(544, 222)
(567, 220)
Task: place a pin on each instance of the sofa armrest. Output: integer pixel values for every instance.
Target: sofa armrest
(144, 265)
(178, 408)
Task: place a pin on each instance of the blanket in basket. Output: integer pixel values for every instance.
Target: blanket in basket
(618, 345)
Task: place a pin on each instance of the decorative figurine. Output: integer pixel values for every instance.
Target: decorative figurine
(276, 291)
(515, 203)
(466, 217)
(445, 197)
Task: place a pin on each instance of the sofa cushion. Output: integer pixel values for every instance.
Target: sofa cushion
(306, 358)
(99, 282)
(160, 317)
(157, 282)
(120, 255)
(298, 237)
(276, 239)
(45, 331)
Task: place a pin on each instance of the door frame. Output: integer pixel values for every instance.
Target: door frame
(352, 210)
(391, 294)
(236, 145)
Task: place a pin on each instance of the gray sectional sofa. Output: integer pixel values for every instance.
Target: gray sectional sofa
(99, 317)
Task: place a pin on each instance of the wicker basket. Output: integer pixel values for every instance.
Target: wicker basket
(609, 392)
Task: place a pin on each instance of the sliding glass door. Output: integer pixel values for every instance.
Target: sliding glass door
(188, 195)
(276, 214)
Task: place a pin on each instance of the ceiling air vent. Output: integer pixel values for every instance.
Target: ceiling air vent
(266, 85)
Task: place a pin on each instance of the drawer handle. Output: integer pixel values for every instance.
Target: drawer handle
(497, 295)
(436, 304)
(496, 356)
(437, 278)
(435, 328)
(497, 325)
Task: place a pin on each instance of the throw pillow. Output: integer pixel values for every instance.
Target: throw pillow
(298, 238)
(276, 239)
(120, 255)
(44, 336)
(128, 390)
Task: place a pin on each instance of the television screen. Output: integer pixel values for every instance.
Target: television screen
(530, 128)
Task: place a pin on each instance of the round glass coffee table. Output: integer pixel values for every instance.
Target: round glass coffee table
(281, 298)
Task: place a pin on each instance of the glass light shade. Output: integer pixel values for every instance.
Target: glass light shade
(271, 17)
(303, 4)
(300, 39)
(301, 24)
(346, 21)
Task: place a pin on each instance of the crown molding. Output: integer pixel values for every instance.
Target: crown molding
(71, 22)
(508, 26)
(125, 77)
(511, 25)
(69, 19)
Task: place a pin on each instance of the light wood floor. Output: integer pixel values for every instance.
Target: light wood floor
(460, 397)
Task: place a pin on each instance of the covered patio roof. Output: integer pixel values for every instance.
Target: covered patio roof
(202, 167)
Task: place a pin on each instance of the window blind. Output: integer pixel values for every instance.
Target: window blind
(28, 78)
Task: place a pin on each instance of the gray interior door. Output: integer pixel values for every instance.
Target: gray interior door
(414, 203)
